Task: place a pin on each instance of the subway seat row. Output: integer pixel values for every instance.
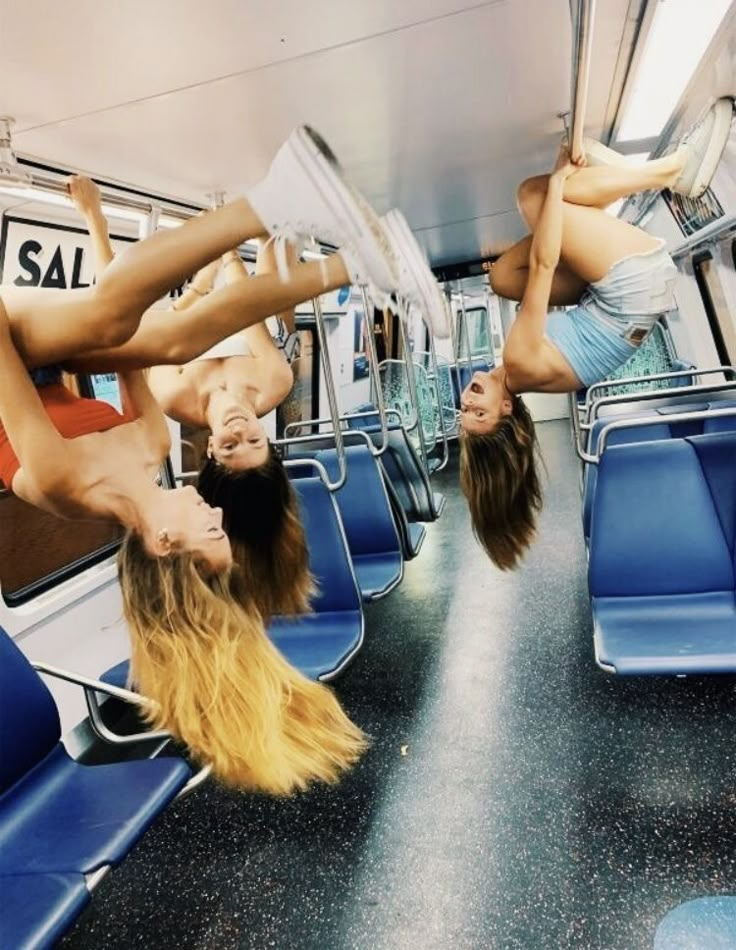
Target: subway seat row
(659, 517)
(63, 824)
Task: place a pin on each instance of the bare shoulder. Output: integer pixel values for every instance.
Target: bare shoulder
(544, 370)
(273, 383)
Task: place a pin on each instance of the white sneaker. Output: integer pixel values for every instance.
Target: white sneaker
(596, 153)
(416, 281)
(704, 145)
(305, 194)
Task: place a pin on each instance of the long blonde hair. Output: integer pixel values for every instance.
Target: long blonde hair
(261, 517)
(498, 476)
(220, 685)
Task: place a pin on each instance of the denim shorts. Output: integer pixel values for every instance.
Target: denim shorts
(634, 293)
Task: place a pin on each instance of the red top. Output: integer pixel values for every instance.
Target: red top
(71, 415)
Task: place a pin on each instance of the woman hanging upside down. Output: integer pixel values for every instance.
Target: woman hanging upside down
(618, 281)
(226, 387)
(219, 684)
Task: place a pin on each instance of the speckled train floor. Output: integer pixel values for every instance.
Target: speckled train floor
(540, 803)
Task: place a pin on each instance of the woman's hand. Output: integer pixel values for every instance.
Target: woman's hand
(564, 166)
(85, 194)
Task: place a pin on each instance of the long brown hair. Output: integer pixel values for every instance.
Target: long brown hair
(261, 518)
(498, 476)
(218, 683)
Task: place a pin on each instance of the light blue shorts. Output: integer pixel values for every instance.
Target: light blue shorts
(634, 293)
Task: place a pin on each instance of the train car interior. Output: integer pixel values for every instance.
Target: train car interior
(551, 758)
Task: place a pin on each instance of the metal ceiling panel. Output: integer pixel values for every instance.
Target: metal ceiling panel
(435, 106)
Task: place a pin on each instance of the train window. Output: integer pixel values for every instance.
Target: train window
(721, 322)
(477, 318)
(692, 214)
(53, 550)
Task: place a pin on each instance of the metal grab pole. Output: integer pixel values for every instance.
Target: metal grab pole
(331, 397)
(411, 379)
(438, 395)
(582, 20)
(466, 331)
(370, 345)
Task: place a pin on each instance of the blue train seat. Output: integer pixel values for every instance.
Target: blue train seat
(707, 923)
(322, 643)
(373, 539)
(661, 573)
(319, 644)
(655, 432)
(404, 469)
(411, 533)
(38, 909)
(59, 819)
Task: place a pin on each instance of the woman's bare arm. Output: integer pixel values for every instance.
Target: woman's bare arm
(45, 456)
(526, 336)
(140, 403)
(86, 197)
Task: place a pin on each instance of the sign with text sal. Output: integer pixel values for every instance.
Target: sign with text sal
(40, 254)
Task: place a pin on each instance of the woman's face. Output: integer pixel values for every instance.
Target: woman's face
(239, 441)
(186, 523)
(483, 402)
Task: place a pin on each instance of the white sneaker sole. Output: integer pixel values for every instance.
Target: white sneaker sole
(430, 302)
(365, 233)
(723, 110)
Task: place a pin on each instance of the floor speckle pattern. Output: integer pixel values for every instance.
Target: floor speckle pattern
(539, 804)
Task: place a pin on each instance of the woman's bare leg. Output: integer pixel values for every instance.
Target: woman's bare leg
(164, 337)
(592, 241)
(51, 326)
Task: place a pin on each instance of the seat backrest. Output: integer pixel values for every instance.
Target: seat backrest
(29, 720)
(660, 524)
(363, 502)
(329, 557)
(652, 433)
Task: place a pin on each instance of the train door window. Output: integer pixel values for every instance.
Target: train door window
(720, 319)
(480, 344)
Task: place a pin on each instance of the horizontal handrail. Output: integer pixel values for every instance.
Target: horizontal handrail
(651, 394)
(655, 377)
(642, 423)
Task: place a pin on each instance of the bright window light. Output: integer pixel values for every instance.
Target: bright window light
(679, 35)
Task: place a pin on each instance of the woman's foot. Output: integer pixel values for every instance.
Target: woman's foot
(305, 194)
(416, 281)
(702, 149)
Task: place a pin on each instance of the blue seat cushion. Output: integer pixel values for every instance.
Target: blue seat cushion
(64, 816)
(708, 923)
(37, 909)
(667, 634)
(319, 645)
(378, 573)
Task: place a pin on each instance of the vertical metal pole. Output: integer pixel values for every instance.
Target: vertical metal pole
(466, 330)
(331, 396)
(438, 393)
(370, 344)
(411, 379)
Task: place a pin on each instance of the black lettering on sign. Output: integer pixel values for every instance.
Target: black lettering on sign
(77, 269)
(28, 264)
(55, 276)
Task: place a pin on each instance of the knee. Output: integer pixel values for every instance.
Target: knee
(115, 321)
(532, 190)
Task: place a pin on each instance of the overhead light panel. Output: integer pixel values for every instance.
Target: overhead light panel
(680, 33)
